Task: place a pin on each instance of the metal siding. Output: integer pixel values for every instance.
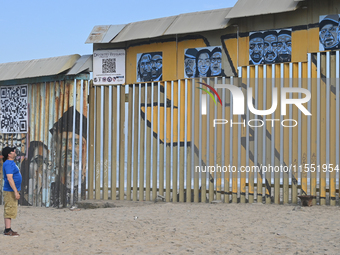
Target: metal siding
(267, 145)
(41, 150)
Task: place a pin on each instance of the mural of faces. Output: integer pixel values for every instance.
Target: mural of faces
(190, 63)
(329, 32)
(284, 46)
(216, 62)
(270, 47)
(156, 67)
(149, 66)
(256, 49)
(203, 62)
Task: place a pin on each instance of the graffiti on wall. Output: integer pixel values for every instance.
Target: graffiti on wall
(203, 62)
(149, 66)
(269, 47)
(329, 32)
(13, 105)
(52, 154)
(63, 151)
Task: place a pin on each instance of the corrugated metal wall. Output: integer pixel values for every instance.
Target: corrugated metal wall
(52, 155)
(148, 139)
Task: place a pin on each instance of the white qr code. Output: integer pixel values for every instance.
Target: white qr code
(109, 65)
(13, 106)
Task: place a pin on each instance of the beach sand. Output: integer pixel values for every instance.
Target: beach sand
(176, 228)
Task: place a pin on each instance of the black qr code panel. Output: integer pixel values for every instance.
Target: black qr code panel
(109, 65)
(14, 112)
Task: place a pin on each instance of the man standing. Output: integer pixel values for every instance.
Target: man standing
(12, 186)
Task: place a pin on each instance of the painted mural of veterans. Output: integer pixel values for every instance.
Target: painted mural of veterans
(256, 45)
(190, 63)
(203, 63)
(284, 48)
(32, 171)
(144, 68)
(329, 33)
(216, 62)
(150, 67)
(270, 47)
(62, 135)
(156, 66)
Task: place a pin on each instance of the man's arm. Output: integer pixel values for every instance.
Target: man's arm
(12, 184)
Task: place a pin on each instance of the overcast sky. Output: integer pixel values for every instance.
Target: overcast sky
(41, 29)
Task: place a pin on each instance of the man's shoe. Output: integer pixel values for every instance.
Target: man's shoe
(11, 233)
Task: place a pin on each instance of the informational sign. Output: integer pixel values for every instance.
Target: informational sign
(13, 109)
(109, 67)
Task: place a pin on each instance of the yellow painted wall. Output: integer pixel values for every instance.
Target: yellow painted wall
(313, 40)
(299, 45)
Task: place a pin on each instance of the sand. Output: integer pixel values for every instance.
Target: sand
(176, 228)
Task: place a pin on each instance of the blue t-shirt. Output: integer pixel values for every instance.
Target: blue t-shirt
(9, 167)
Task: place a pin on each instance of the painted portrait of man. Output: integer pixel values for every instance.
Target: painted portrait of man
(203, 63)
(32, 170)
(190, 63)
(156, 66)
(216, 62)
(270, 47)
(144, 68)
(329, 33)
(284, 46)
(256, 45)
(62, 135)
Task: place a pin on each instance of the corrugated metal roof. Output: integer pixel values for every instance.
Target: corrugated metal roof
(246, 8)
(144, 29)
(199, 21)
(180, 24)
(84, 63)
(104, 34)
(37, 67)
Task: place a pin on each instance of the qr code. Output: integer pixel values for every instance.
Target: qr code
(109, 65)
(13, 109)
